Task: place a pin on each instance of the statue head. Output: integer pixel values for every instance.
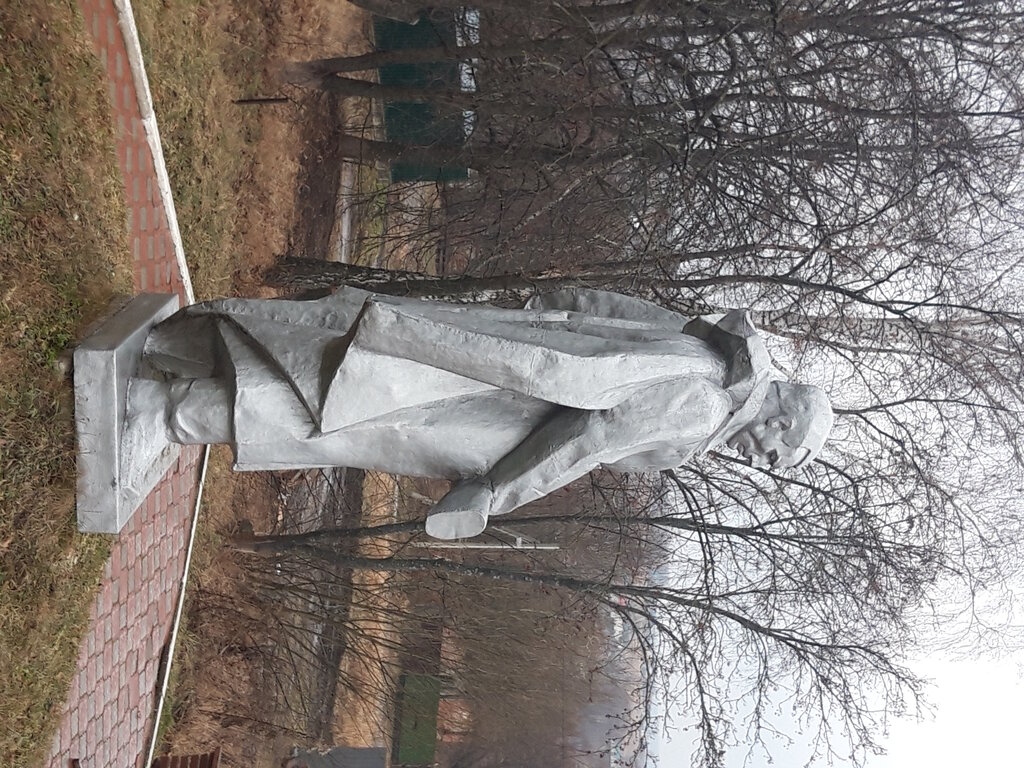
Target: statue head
(789, 430)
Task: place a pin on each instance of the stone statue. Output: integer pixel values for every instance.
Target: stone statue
(510, 404)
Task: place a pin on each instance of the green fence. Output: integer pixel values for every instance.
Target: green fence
(415, 122)
(418, 699)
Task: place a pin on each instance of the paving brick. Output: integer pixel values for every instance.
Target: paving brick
(135, 721)
(133, 695)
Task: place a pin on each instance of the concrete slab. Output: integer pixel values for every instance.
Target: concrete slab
(113, 478)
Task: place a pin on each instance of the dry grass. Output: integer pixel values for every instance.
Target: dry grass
(200, 56)
(370, 664)
(63, 251)
(218, 698)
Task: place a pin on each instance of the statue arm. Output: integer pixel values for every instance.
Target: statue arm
(668, 418)
(565, 448)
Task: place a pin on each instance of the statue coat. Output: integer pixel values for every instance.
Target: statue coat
(575, 380)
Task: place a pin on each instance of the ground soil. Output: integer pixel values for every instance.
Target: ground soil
(290, 196)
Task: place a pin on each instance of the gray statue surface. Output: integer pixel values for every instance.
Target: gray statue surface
(510, 404)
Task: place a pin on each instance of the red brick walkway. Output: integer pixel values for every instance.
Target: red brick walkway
(108, 717)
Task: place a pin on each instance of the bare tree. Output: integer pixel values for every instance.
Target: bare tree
(682, 129)
(849, 170)
(793, 590)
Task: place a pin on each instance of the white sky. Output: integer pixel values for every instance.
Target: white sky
(979, 706)
(978, 720)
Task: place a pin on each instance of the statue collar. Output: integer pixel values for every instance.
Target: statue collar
(748, 369)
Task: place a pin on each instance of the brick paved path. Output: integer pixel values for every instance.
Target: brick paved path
(108, 717)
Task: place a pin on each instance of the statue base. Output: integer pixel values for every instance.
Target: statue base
(120, 460)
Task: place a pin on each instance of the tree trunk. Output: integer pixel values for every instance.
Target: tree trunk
(297, 275)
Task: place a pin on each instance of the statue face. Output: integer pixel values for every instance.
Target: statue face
(789, 430)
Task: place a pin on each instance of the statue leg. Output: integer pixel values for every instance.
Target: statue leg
(200, 411)
(158, 415)
(184, 411)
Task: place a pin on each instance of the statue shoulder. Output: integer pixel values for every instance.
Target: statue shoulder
(734, 336)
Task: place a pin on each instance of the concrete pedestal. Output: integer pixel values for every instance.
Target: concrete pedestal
(118, 463)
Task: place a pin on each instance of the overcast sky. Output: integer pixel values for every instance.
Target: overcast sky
(978, 719)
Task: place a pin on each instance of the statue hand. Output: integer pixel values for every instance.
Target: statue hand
(462, 513)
